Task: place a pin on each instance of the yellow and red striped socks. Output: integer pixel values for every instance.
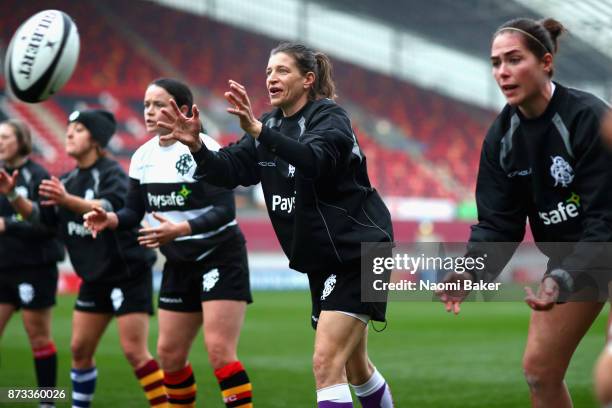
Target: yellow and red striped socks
(151, 378)
(181, 387)
(236, 389)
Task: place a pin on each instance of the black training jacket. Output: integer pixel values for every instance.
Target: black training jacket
(553, 170)
(315, 184)
(24, 244)
(114, 255)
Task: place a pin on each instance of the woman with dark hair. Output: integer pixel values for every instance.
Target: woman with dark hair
(116, 271)
(543, 159)
(320, 201)
(206, 275)
(28, 255)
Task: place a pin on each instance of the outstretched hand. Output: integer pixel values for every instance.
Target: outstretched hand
(452, 298)
(181, 128)
(97, 220)
(7, 181)
(238, 97)
(53, 190)
(548, 294)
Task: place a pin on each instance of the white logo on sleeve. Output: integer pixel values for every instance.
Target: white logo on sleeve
(328, 286)
(561, 171)
(210, 279)
(117, 298)
(26, 293)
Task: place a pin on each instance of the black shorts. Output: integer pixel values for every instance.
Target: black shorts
(29, 287)
(341, 290)
(131, 295)
(223, 275)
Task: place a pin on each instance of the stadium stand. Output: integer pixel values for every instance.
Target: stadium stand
(116, 67)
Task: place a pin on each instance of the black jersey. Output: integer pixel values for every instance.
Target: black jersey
(315, 183)
(552, 170)
(24, 244)
(111, 256)
(161, 181)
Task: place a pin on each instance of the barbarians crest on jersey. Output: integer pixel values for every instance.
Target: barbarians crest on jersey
(291, 171)
(561, 171)
(26, 293)
(328, 286)
(210, 279)
(184, 164)
(21, 191)
(117, 298)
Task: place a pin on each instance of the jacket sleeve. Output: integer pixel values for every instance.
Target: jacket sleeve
(113, 188)
(502, 213)
(17, 226)
(325, 145)
(20, 228)
(593, 183)
(230, 166)
(131, 214)
(222, 212)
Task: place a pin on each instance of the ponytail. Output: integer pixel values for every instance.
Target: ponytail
(324, 86)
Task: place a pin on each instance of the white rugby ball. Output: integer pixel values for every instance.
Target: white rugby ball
(41, 56)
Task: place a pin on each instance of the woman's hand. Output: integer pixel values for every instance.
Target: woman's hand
(547, 296)
(7, 181)
(98, 220)
(182, 128)
(53, 190)
(238, 97)
(165, 232)
(452, 298)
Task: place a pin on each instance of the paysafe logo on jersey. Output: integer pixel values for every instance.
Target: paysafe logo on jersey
(77, 229)
(174, 199)
(286, 204)
(565, 210)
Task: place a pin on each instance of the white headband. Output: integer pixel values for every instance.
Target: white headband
(527, 34)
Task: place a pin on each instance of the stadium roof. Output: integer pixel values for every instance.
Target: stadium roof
(468, 24)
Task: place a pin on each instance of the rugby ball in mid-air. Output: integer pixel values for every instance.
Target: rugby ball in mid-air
(41, 56)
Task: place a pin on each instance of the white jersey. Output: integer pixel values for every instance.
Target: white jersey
(167, 186)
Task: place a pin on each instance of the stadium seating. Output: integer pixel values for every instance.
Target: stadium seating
(451, 131)
(119, 65)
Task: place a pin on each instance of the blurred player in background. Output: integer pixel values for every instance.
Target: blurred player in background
(603, 368)
(206, 275)
(28, 254)
(320, 202)
(116, 271)
(543, 159)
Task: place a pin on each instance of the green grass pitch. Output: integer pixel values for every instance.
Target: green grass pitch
(430, 358)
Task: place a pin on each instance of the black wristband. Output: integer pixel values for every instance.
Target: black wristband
(564, 280)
